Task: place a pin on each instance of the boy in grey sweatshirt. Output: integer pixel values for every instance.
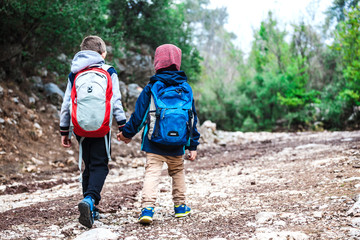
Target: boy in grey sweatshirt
(95, 152)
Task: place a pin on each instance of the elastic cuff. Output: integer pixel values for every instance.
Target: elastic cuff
(125, 134)
(64, 131)
(192, 148)
(121, 125)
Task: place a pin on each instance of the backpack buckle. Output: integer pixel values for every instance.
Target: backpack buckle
(190, 113)
(158, 113)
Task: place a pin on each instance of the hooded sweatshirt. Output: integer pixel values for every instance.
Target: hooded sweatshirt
(165, 56)
(137, 120)
(82, 60)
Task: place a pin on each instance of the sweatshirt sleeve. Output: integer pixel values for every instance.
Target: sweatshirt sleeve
(137, 119)
(65, 109)
(118, 110)
(194, 141)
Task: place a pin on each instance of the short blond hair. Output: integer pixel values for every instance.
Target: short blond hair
(93, 43)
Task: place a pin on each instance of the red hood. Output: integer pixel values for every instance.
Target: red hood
(167, 55)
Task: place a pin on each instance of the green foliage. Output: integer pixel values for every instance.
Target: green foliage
(279, 85)
(219, 102)
(249, 125)
(154, 23)
(332, 107)
(338, 9)
(37, 32)
(342, 96)
(301, 85)
(43, 29)
(273, 89)
(348, 44)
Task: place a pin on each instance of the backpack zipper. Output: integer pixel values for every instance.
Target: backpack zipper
(163, 116)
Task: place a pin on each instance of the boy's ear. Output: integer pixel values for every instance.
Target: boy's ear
(104, 55)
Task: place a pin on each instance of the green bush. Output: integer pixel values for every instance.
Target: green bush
(43, 29)
(154, 23)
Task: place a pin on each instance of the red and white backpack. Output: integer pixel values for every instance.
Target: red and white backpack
(91, 106)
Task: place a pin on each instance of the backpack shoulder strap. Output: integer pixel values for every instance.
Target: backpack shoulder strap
(110, 69)
(152, 103)
(72, 78)
(105, 66)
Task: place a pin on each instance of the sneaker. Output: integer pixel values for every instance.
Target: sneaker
(146, 215)
(86, 207)
(181, 210)
(96, 214)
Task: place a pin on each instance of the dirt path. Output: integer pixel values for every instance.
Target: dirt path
(264, 186)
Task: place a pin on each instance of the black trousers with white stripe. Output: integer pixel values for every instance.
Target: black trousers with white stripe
(96, 167)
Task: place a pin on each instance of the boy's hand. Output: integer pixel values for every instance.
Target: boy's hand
(121, 137)
(65, 141)
(192, 155)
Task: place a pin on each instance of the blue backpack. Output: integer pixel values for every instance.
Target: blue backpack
(170, 118)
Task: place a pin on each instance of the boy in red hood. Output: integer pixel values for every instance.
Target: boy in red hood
(167, 64)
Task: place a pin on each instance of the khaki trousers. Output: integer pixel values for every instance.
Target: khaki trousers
(153, 168)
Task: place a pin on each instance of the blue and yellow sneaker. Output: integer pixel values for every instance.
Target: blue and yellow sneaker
(86, 209)
(181, 210)
(146, 215)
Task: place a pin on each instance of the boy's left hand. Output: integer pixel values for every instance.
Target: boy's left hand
(192, 155)
(121, 137)
(65, 141)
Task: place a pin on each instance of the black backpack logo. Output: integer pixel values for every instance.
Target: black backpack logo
(90, 89)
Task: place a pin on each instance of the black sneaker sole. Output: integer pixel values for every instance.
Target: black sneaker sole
(85, 218)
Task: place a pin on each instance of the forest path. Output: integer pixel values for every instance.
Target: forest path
(269, 185)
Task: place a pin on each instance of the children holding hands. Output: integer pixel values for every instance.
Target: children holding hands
(165, 109)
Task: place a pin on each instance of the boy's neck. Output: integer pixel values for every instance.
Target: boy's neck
(103, 55)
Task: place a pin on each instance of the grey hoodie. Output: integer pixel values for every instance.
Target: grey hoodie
(82, 60)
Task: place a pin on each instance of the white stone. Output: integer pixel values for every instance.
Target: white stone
(138, 162)
(280, 223)
(218, 194)
(264, 217)
(15, 100)
(281, 236)
(174, 231)
(37, 161)
(62, 57)
(352, 179)
(355, 222)
(318, 214)
(312, 145)
(323, 206)
(32, 100)
(131, 238)
(71, 152)
(98, 234)
(354, 209)
(210, 125)
(354, 232)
